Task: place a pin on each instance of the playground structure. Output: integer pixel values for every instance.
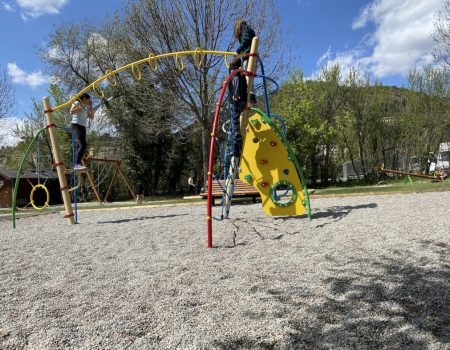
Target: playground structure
(65, 190)
(116, 164)
(407, 174)
(267, 161)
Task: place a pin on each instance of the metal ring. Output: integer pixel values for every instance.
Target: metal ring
(223, 126)
(198, 51)
(152, 58)
(139, 75)
(102, 91)
(225, 59)
(111, 82)
(179, 66)
(32, 195)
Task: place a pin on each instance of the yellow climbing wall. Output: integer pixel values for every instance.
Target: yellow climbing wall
(264, 164)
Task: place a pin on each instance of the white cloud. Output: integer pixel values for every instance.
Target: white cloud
(401, 41)
(19, 76)
(8, 7)
(325, 57)
(7, 137)
(36, 8)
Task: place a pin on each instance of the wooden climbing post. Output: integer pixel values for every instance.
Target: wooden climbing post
(59, 165)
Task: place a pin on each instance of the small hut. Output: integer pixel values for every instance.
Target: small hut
(349, 173)
(27, 181)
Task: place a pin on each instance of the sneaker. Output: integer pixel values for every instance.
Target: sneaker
(79, 167)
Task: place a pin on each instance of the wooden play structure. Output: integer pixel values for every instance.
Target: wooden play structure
(90, 175)
(118, 172)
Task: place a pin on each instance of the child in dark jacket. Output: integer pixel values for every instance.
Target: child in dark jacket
(237, 90)
(244, 34)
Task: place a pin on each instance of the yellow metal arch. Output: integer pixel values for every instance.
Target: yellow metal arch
(152, 60)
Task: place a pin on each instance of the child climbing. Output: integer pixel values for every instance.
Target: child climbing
(244, 34)
(80, 112)
(238, 101)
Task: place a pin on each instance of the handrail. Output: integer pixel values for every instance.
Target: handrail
(198, 55)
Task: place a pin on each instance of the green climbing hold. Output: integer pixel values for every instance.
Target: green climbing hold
(248, 178)
(255, 122)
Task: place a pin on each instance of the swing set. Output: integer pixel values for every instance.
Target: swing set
(102, 176)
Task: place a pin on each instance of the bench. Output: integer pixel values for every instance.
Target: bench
(241, 190)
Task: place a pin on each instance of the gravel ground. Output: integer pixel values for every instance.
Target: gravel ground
(368, 272)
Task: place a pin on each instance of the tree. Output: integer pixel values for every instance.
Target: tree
(427, 109)
(442, 37)
(169, 99)
(166, 26)
(311, 110)
(34, 121)
(7, 100)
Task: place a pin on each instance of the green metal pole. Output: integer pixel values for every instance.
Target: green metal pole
(19, 172)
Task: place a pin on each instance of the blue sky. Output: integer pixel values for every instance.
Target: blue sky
(383, 37)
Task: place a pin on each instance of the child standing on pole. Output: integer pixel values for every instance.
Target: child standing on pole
(237, 90)
(80, 112)
(244, 34)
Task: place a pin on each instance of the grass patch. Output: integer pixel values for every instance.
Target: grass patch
(95, 205)
(391, 187)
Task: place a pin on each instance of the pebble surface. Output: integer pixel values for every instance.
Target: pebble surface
(368, 272)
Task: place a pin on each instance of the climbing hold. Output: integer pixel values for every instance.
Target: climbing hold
(248, 178)
(273, 143)
(264, 184)
(255, 122)
(255, 140)
(286, 172)
(263, 161)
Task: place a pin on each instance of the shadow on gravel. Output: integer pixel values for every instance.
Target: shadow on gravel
(141, 218)
(339, 212)
(334, 214)
(399, 301)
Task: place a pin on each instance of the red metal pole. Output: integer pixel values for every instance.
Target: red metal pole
(211, 155)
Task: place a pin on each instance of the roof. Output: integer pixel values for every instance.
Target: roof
(444, 147)
(44, 173)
